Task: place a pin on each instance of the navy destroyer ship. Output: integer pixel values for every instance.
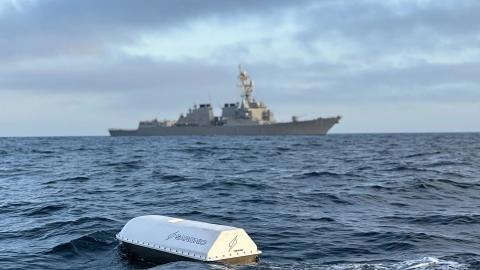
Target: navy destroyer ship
(247, 117)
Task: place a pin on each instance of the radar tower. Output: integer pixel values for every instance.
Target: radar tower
(246, 85)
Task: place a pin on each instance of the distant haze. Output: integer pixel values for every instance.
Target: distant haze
(81, 67)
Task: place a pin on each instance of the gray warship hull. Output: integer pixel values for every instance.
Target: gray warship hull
(319, 126)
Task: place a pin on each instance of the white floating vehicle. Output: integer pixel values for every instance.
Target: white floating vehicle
(164, 239)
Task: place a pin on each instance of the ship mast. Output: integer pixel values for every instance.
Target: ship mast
(246, 85)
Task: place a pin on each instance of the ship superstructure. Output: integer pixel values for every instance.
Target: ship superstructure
(246, 112)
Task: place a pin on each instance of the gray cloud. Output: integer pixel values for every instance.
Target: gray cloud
(57, 28)
(351, 52)
(379, 28)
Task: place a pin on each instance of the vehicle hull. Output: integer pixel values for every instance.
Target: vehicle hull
(161, 257)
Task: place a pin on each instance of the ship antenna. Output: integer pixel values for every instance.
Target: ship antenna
(246, 84)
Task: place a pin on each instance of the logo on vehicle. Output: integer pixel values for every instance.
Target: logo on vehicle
(186, 238)
(171, 235)
(232, 243)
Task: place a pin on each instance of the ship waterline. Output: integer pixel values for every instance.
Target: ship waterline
(247, 117)
(318, 126)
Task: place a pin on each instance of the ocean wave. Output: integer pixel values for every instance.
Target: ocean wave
(49, 229)
(45, 210)
(423, 154)
(322, 219)
(396, 241)
(437, 219)
(198, 151)
(13, 206)
(90, 243)
(441, 184)
(174, 177)
(254, 201)
(38, 151)
(68, 179)
(125, 165)
(443, 163)
(323, 197)
(459, 184)
(404, 168)
(319, 174)
(246, 184)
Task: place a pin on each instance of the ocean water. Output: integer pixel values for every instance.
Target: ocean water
(383, 201)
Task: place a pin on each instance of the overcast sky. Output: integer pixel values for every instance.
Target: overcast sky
(81, 67)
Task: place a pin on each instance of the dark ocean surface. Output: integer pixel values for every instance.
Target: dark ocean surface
(383, 201)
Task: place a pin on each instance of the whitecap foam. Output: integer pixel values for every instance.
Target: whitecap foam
(426, 263)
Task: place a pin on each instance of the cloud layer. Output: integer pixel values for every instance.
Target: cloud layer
(128, 60)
